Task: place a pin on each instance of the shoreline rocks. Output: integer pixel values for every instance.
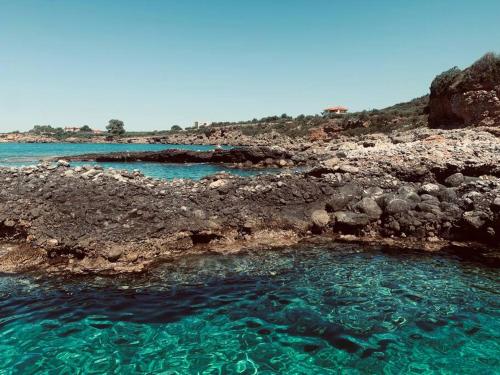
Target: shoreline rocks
(94, 220)
(244, 156)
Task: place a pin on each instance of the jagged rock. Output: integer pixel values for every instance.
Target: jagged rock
(474, 219)
(469, 97)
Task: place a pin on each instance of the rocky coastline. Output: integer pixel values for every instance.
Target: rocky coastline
(216, 136)
(247, 157)
(426, 189)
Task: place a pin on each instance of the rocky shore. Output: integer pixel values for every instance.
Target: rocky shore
(425, 188)
(244, 157)
(428, 189)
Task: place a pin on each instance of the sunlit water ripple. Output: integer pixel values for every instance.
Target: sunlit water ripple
(303, 310)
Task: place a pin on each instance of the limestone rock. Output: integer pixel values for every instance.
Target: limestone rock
(320, 218)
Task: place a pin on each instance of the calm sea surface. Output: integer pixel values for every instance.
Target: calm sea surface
(19, 154)
(296, 311)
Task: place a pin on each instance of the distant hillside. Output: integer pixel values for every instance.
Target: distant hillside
(413, 107)
(402, 115)
(406, 115)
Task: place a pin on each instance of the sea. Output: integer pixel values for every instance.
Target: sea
(305, 309)
(25, 154)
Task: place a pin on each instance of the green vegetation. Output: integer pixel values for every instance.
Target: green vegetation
(59, 133)
(401, 116)
(116, 127)
(85, 129)
(486, 71)
(405, 115)
(46, 129)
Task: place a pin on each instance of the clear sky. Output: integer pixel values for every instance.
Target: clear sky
(156, 63)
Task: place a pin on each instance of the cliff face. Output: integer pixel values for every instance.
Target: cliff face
(467, 98)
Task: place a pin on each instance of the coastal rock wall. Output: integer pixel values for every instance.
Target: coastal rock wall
(467, 98)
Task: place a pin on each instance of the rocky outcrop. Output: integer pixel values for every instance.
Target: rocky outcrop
(467, 98)
(249, 156)
(61, 219)
(231, 135)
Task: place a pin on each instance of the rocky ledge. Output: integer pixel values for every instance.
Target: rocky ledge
(54, 218)
(242, 156)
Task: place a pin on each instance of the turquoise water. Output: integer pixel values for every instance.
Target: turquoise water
(296, 311)
(23, 154)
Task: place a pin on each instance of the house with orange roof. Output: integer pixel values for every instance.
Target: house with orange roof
(338, 110)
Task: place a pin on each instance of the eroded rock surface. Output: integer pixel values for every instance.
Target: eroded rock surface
(249, 156)
(467, 98)
(57, 218)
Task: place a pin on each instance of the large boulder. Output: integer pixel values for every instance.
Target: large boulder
(320, 218)
(470, 97)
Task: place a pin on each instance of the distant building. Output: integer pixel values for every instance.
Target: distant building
(71, 129)
(77, 129)
(336, 110)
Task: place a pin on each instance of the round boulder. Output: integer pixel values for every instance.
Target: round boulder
(370, 207)
(320, 218)
(431, 189)
(397, 206)
(454, 180)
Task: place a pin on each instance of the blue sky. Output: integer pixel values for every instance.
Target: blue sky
(157, 63)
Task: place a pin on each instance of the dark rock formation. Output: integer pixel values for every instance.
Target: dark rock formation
(251, 155)
(422, 188)
(94, 220)
(467, 98)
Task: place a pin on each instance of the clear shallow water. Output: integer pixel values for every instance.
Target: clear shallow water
(296, 311)
(22, 154)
